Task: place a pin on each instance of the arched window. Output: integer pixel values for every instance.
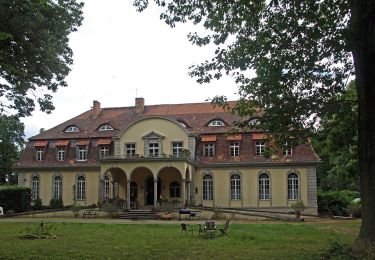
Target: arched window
(216, 122)
(72, 129)
(293, 186)
(264, 187)
(235, 187)
(105, 127)
(106, 187)
(81, 188)
(35, 188)
(174, 189)
(57, 187)
(208, 192)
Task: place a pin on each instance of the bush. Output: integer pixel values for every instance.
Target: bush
(38, 204)
(15, 198)
(111, 211)
(335, 202)
(56, 203)
(354, 209)
(338, 250)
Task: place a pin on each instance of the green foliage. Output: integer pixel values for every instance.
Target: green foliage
(56, 203)
(298, 206)
(338, 250)
(15, 198)
(38, 204)
(110, 210)
(11, 141)
(34, 51)
(42, 231)
(335, 202)
(354, 208)
(298, 51)
(336, 143)
(76, 208)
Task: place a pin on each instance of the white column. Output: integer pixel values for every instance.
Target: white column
(183, 191)
(128, 194)
(155, 191)
(188, 191)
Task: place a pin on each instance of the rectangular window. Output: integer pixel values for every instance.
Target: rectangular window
(287, 149)
(260, 147)
(104, 151)
(177, 149)
(39, 154)
(82, 153)
(209, 150)
(60, 153)
(130, 150)
(153, 149)
(234, 149)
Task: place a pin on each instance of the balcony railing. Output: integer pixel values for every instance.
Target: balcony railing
(148, 157)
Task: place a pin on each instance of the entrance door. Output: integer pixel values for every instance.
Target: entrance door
(150, 190)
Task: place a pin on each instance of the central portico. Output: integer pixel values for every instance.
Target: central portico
(149, 165)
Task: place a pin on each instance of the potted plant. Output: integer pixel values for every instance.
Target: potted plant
(298, 207)
(76, 209)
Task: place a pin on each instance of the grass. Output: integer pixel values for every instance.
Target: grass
(165, 241)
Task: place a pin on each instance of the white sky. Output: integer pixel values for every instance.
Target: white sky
(118, 53)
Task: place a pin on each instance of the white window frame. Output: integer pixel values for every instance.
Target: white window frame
(293, 186)
(104, 151)
(39, 154)
(264, 186)
(177, 148)
(216, 122)
(81, 188)
(209, 149)
(288, 150)
(234, 149)
(35, 187)
(72, 129)
(235, 186)
(130, 149)
(105, 127)
(107, 187)
(82, 153)
(57, 187)
(153, 149)
(61, 153)
(260, 147)
(207, 187)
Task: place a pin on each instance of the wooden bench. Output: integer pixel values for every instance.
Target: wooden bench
(90, 213)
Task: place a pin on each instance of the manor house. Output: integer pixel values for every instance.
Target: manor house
(176, 152)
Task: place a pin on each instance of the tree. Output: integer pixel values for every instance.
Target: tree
(34, 51)
(303, 53)
(11, 142)
(336, 143)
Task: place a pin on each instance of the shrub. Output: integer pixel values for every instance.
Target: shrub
(38, 204)
(335, 202)
(298, 207)
(111, 210)
(354, 209)
(338, 250)
(56, 203)
(15, 198)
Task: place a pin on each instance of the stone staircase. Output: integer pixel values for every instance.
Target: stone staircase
(138, 214)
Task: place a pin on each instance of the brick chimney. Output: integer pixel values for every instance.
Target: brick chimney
(139, 105)
(95, 108)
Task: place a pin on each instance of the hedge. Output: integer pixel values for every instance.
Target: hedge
(15, 198)
(336, 202)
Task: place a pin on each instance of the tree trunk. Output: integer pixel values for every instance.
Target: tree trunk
(363, 25)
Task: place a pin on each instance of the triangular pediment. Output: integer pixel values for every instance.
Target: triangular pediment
(153, 135)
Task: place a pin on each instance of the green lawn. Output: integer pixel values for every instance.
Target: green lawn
(164, 241)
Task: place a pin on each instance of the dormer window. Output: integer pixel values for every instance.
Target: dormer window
(216, 122)
(71, 129)
(254, 122)
(105, 127)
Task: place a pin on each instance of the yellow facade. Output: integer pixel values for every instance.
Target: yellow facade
(133, 178)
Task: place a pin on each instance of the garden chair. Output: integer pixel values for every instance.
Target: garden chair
(223, 231)
(209, 229)
(186, 228)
